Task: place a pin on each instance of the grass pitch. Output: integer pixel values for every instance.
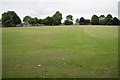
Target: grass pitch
(60, 52)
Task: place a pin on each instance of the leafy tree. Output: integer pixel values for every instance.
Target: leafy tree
(69, 20)
(87, 21)
(35, 20)
(95, 20)
(109, 19)
(10, 19)
(77, 21)
(116, 21)
(102, 20)
(26, 20)
(48, 21)
(82, 21)
(57, 17)
(69, 17)
(0, 23)
(32, 21)
(40, 21)
(29, 20)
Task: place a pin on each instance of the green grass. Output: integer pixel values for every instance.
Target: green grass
(62, 52)
(0, 53)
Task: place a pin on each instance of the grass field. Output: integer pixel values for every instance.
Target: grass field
(0, 53)
(60, 52)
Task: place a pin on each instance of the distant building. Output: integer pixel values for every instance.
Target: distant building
(119, 9)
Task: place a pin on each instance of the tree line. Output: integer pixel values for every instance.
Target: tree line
(11, 19)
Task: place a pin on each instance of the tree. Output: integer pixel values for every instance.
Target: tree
(40, 21)
(0, 23)
(87, 21)
(102, 20)
(10, 19)
(48, 21)
(77, 21)
(116, 21)
(69, 20)
(29, 20)
(57, 17)
(95, 20)
(82, 21)
(35, 21)
(109, 19)
(26, 20)
(69, 17)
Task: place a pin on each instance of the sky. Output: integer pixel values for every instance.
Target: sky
(44, 8)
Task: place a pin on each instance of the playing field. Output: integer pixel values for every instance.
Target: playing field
(60, 52)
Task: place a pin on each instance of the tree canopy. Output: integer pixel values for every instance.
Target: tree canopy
(27, 19)
(10, 19)
(57, 17)
(82, 21)
(87, 21)
(116, 21)
(69, 20)
(77, 21)
(49, 21)
(53, 20)
(69, 17)
(40, 21)
(109, 19)
(102, 20)
(95, 20)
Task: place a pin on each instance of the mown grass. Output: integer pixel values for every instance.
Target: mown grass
(61, 52)
(0, 53)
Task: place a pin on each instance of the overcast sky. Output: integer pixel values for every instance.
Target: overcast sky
(44, 8)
